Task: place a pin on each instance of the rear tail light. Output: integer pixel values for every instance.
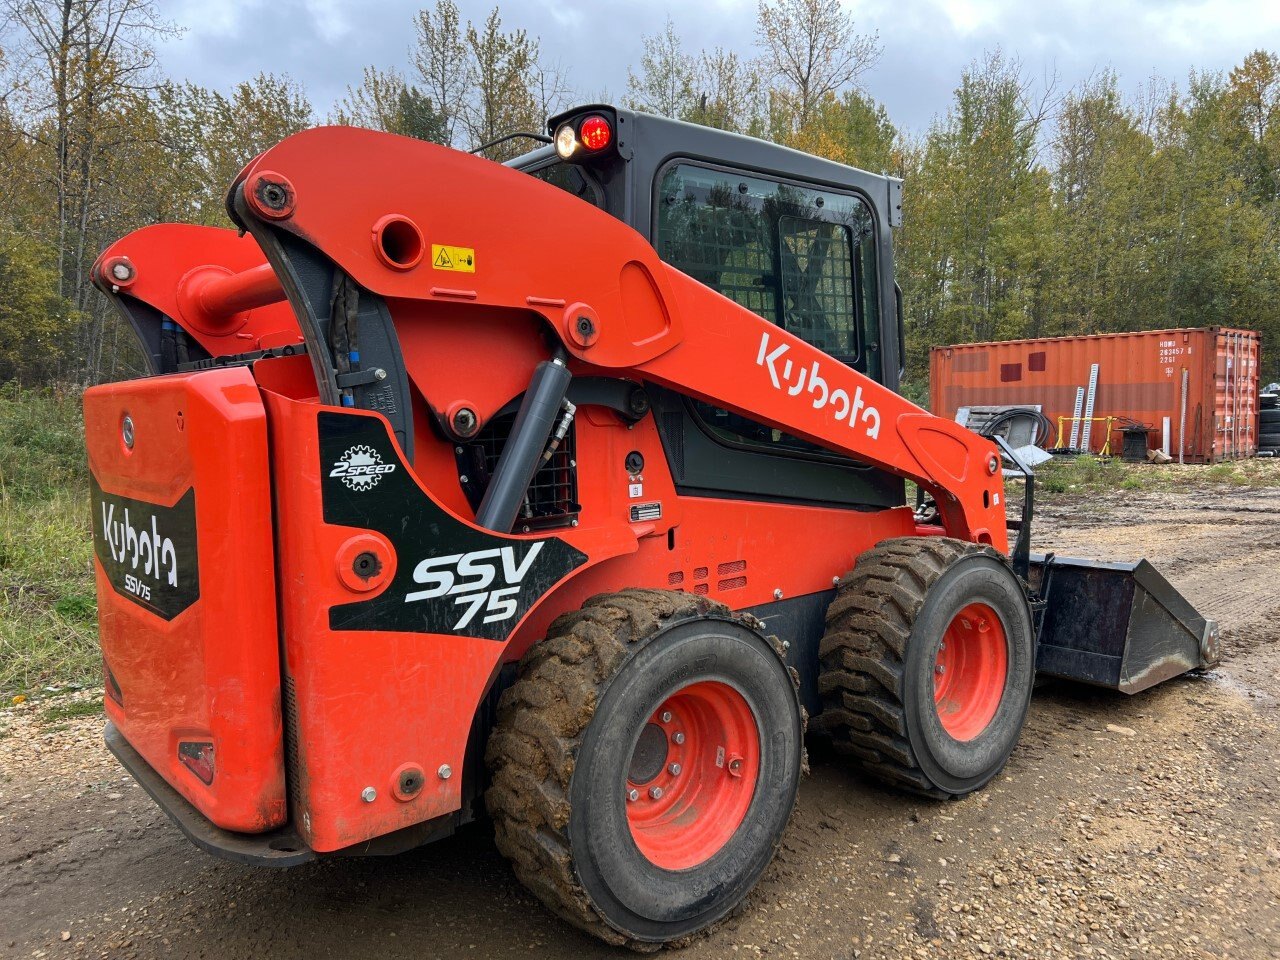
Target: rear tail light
(589, 136)
(198, 758)
(595, 133)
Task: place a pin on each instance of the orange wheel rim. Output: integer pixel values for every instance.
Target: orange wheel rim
(969, 672)
(692, 775)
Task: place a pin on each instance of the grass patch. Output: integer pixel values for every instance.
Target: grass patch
(85, 708)
(1065, 477)
(48, 613)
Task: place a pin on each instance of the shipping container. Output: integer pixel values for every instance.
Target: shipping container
(1196, 389)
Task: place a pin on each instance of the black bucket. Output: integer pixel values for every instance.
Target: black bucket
(1117, 625)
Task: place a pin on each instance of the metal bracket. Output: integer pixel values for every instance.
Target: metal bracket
(1021, 554)
(360, 378)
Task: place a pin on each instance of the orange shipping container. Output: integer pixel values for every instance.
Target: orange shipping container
(1200, 386)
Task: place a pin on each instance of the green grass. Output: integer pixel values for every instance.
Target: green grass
(48, 613)
(85, 708)
(1066, 477)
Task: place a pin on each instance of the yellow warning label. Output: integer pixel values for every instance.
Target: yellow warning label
(462, 259)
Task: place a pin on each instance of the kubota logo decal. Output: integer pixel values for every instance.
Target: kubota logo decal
(467, 577)
(148, 551)
(809, 380)
(139, 545)
(361, 467)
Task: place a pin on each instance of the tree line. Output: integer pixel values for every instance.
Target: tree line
(1030, 210)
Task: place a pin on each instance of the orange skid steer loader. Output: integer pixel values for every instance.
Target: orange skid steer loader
(569, 486)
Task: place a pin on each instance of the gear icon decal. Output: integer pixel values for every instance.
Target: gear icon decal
(361, 467)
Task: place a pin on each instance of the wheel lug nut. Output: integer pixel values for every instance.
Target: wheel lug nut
(666, 716)
(677, 738)
(674, 769)
(655, 793)
(633, 795)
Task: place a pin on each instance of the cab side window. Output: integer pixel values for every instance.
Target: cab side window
(801, 258)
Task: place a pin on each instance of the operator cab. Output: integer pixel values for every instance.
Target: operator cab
(803, 242)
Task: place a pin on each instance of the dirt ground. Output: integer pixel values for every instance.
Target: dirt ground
(1122, 827)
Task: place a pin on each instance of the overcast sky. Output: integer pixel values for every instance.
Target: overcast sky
(325, 43)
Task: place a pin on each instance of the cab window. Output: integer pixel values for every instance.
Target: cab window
(799, 257)
(571, 179)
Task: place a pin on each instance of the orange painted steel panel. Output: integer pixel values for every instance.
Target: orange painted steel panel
(184, 560)
(1141, 375)
(215, 282)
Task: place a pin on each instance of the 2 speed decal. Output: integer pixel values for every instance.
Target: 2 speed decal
(360, 467)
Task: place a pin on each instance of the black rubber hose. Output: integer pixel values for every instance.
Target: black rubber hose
(1044, 427)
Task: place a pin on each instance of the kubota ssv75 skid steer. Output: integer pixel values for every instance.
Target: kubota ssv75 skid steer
(572, 484)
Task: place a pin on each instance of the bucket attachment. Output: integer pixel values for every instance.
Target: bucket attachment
(1117, 625)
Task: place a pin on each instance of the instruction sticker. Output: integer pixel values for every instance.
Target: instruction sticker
(460, 259)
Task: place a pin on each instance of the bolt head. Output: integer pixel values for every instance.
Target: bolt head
(445, 771)
(465, 421)
(835, 581)
(677, 738)
(777, 594)
(939, 669)
(674, 769)
(666, 716)
(127, 432)
(368, 794)
(633, 795)
(379, 374)
(655, 793)
(121, 271)
(463, 478)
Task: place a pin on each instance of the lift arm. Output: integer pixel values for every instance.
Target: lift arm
(411, 220)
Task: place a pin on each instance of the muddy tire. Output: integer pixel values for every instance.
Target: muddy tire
(927, 664)
(644, 765)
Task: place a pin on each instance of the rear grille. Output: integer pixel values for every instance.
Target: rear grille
(674, 436)
(291, 737)
(552, 498)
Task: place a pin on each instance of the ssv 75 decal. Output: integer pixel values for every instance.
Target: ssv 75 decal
(470, 576)
(450, 578)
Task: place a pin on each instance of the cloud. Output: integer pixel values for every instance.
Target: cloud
(927, 43)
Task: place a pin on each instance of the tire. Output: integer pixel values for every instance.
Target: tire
(1269, 441)
(602, 709)
(1268, 401)
(1269, 420)
(884, 701)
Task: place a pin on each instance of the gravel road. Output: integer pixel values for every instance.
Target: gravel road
(1122, 827)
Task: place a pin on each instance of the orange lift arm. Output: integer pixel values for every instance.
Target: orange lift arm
(385, 208)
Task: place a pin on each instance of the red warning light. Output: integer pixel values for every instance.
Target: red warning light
(595, 133)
